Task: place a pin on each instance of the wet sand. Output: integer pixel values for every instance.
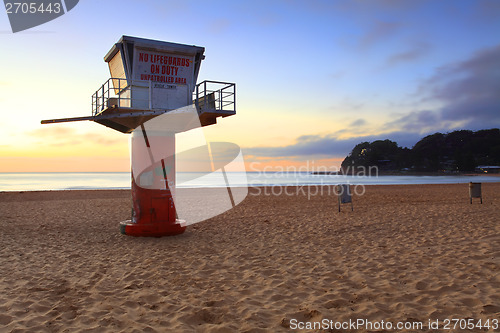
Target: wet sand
(406, 253)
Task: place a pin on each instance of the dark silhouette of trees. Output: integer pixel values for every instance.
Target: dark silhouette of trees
(458, 151)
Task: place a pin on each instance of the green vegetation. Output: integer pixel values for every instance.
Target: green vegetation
(458, 151)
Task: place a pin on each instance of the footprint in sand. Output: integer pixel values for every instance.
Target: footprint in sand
(421, 285)
(336, 304)
(4, 319)
(491, 309)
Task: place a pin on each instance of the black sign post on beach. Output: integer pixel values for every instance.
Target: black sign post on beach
(475, 191)
(344, 194)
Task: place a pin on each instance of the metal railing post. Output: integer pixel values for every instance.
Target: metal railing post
(221, 104)
(197, 101)
(119, 92)
(102, 94)
(234, 97)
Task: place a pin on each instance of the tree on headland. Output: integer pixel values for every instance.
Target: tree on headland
(458, 151)
(385, 154)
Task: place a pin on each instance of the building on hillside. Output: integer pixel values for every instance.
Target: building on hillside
(488, 169)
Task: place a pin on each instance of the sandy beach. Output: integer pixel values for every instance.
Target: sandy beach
(409, 253)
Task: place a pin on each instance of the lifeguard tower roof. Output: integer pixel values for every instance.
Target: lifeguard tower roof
(157, 53)
(151, 77)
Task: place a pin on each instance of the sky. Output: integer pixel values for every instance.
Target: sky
(314, 78)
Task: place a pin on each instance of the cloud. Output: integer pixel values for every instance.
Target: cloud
(310, 145)
(328, 145)
(105, 139)
(54, 132)
(417, 51)
(373, 8)
(488, 11)
(358, 123)
(380, 30)
(469, 94)
(66, 136)
(57, 136)
(416, 121)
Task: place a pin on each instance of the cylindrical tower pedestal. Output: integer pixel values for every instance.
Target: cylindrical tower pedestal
(153, 208)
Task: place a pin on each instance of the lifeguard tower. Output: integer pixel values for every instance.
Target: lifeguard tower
(151, 78)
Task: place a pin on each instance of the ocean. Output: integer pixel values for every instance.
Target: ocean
(47, 181)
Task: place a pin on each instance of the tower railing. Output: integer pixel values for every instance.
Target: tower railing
(115, 92)
(210, 96)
